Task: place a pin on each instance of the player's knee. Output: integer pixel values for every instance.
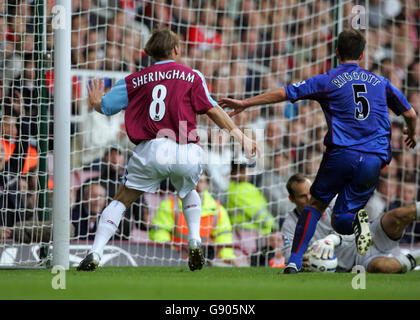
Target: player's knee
(127, 196)
(401, 217)
(384, 265)
(394, 222)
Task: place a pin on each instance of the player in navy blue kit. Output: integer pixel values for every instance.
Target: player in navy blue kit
(355, 103)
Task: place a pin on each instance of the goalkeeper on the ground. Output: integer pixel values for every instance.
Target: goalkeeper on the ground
(384, 256)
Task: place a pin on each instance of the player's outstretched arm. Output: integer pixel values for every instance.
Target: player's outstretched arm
(96, 92)
(113, 102)
(272, 96)
(223, 121)
(410, 118)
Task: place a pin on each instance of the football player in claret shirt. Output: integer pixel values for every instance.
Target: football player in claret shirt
(161, 103)
(355, 103)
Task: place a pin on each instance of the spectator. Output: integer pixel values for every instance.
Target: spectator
(113, 60)
(414, 74)
(250, 40)
(280, 69)
(409, 21)
(16, 25)
(312, 161)
(218, 158)
(25, 101)
(226, 28)
(238, 79)
(11, 63)
(296, 140)
(112, 171)
(413, 98)
(385, 194)
(3, 29)
(19, 155)
(221, 86)
(407, 165)
(407, 194)
(95, 42)
(156, 14)
(397, 139)
(79, 24)
(274, 185)
(169, 224)
(381, 11)
(3, 178)
(85, 214)
(94, 62)
(131, 43)
(270, 255)
(246, 205)
(18, 200)
(273, 141)
(305, 41)
(244, 17)
(97, 132)
(115, 29)
(8, 197)
(403, 56)
(183, 16)
(5, 233)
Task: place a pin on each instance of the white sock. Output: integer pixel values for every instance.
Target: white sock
(408, 262)
(108, 225)
(416, 255)
(191, 207)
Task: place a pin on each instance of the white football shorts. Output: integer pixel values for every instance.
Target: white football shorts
(155, 160)
(383, 246)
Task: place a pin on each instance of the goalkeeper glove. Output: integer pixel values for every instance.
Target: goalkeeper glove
(324, 248)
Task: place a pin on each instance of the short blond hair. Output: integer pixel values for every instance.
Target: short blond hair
(161, 43)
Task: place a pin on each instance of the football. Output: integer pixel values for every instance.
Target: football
(322, 265)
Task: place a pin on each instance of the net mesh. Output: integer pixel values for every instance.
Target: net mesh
(243, 48)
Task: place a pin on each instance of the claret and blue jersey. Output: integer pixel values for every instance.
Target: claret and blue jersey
(162, 99)
(355, 103)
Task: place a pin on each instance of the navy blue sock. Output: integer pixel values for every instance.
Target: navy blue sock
(343, 223)
(304, 231)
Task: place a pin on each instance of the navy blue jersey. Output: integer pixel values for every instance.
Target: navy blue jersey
(355, 103)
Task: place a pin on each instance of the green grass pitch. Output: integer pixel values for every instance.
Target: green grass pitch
(211, 283)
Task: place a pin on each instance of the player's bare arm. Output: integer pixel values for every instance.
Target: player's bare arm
(272, 96)
(410, 118)
(96, 92)
(221, 119)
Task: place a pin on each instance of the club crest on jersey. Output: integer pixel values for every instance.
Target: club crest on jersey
(297, 84)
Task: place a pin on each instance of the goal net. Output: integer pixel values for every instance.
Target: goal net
(243, 48)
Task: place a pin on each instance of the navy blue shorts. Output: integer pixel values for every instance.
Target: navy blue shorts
(351, 174)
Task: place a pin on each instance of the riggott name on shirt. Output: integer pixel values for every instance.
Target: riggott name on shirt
(160, 75)
(345, 77)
